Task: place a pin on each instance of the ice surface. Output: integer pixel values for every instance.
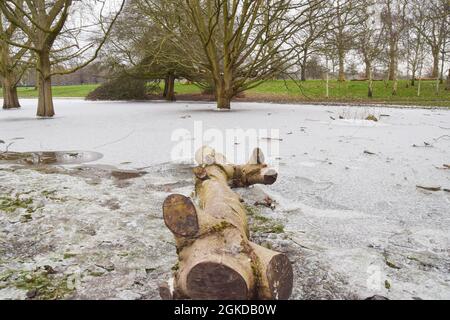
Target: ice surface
(346, 193)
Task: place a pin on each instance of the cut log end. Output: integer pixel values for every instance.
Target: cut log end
(258, 174)
(201, 173)
(280, 277)
(180, 215)
(216, 281)
(216, 258)
(270, 176)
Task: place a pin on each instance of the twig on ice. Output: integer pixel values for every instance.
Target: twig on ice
(115, 141)
(434, 189)
(7, 146)
(442, 137)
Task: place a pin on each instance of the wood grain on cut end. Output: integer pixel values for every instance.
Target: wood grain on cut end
(270, 176)
(280, 276)
(201, 173)
(180, 215)
(216, 281)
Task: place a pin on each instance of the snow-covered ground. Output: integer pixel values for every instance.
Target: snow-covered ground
(355, 222)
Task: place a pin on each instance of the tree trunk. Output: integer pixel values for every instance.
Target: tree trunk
(45, 100)
(408, 68)
(392, 62)
(223, 96)
(419, 87)
(437, 86)
(216, 258)
(447, 87)
(393, 70)
(370, 90)
(368, 69)
(442, 67)
(303, 73)
(395, 87)
(341, 67)
(305, 60)
(436, 61)
(170, 87)
(10, 98)
(223, 102)
(166, 86)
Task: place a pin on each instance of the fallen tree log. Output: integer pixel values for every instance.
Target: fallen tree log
(216, 258)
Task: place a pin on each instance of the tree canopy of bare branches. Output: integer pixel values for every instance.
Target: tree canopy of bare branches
(54, 38)
(233, 45)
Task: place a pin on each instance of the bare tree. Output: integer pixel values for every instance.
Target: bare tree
(11, 65)
(141, 45)
(434, 15)
(54, 41)
(243, 43)
(370, 40)
(370, 36)
(393, 16)
(342, 33)
(414, 45)
(314, 68)
(316, 24)
(444, 53)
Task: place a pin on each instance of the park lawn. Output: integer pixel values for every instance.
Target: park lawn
(309, 91)
(354, 91)
(349, 91)
(76, 91)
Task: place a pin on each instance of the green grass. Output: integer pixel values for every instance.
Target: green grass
(78, 91)
(354, 91)
(350, 89)
(309, 91)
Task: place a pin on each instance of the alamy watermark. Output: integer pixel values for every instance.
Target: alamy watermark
(235, 143)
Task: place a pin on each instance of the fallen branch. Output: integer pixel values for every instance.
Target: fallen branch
(434, 189)
(6, 147)
(425, 145)
(216, 258)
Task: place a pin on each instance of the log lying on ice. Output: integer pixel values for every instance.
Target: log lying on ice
(254, 172)
(216, 258)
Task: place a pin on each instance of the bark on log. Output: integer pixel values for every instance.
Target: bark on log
(216, 258)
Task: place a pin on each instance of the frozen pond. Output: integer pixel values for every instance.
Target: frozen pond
(355, 223)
